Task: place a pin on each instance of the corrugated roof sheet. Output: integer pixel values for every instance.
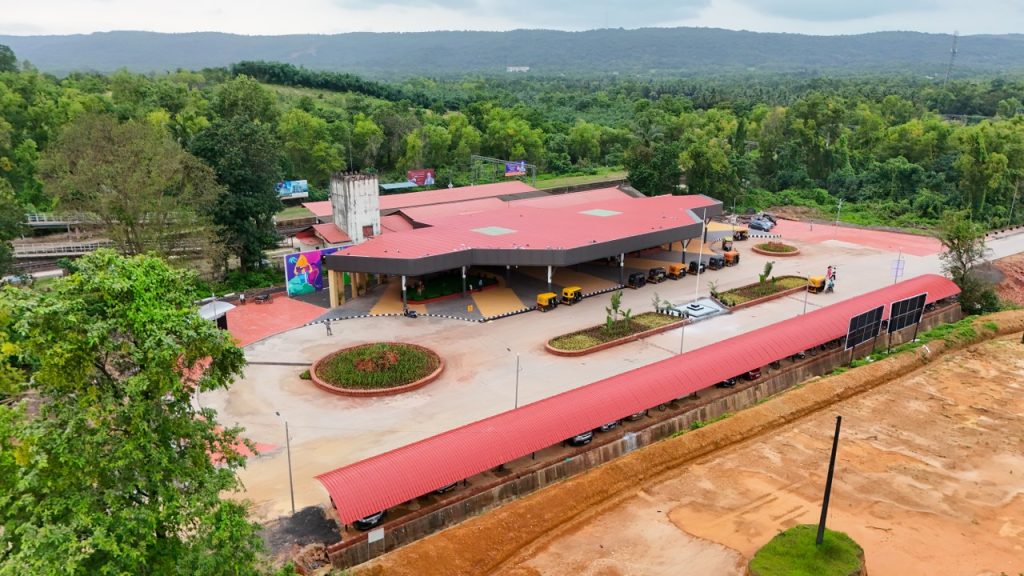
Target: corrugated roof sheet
(395, 223)
(319, 209)
(331, 233)
(410, 199)
(388, 479)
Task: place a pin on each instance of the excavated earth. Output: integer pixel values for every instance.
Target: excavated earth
(929, 480)
(1011, 287)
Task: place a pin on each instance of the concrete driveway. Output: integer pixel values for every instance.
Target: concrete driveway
(329, 431)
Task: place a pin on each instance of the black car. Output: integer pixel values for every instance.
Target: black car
(694, 264)
(716, 262)
(727, 383)
(371, 521)
(581, 439)
(446, 488)
(609, 426)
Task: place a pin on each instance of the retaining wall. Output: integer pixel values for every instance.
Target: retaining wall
(444, 514)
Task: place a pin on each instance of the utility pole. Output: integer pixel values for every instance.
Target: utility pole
(517, 380)
(1013, 202)
(828, 483)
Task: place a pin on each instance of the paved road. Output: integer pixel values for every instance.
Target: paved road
(329, 431)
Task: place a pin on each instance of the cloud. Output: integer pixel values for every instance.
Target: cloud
(833, 10)
(564, 14)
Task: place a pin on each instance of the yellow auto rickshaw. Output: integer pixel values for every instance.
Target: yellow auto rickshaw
(547, 301)
(816, 284)
(572, 295)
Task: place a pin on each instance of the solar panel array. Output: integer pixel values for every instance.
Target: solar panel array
(906, 312)
(864, 327)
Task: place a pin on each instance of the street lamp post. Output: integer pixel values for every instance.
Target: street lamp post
(700, 252)
(288, 447)
(517, 376)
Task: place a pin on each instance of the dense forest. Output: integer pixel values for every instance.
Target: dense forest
(649, 52)
(206, 147)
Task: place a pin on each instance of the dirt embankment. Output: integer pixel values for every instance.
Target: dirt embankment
(511, 535)
(1012, 286)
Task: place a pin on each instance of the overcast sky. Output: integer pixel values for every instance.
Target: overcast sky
(333, 16)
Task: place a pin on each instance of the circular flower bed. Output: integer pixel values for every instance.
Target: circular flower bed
(376, 369)
(776, 249)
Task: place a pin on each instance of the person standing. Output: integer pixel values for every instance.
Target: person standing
(328, 325)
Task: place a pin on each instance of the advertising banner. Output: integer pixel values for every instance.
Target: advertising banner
(303, 272)
(293, 189)
(422, 177)
(515, 169)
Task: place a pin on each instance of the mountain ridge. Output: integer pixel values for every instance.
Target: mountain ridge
(642, 51)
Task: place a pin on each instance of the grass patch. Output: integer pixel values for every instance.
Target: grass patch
(759, 290)
(559, 181)
(378, 366)
(596, 335)
(794, 553)
(293, 212)
(776, 247)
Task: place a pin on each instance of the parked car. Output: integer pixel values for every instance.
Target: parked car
(769, 217)
(609, 426)
(753, 374)
(581, 439)
(371, 521)
(635, 417)
(727, 383)
(716, 262)
(446, 488)
(694, 264)
(656, 275)
(762, 225)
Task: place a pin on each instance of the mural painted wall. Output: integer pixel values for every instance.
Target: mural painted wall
(303, 272)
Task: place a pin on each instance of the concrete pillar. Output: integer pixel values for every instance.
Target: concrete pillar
(405, 300)
(622, 268)
(684, 244)
(463, 281)
(336, 287)
(549, 278)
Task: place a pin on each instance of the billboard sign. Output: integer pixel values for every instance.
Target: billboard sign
(422, 177)
(864, 327)
(293, 189)
(304, 272)
(903, 313)
(515, 168)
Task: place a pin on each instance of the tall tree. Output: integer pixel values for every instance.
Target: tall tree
(245, 155)
(8, 61)
(149, 193)
(245, 98)
(654, 171)
(12, 218)
(105, 461)
(964, 241)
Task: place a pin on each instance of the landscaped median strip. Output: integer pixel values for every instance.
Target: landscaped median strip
(483, 544)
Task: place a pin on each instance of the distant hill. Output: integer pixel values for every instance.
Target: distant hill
(650, 51)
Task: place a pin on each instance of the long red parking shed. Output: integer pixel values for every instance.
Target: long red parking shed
(394, 477)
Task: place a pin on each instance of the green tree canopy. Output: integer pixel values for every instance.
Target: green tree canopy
(245, 156)
(105, 461)
(8, 61)
(149, 193)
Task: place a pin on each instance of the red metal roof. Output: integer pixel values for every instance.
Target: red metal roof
(319, 209)
(429, 214)
(527, 227)
(395, 223)
(443, 195)
(331, 233)
(573, 198)
(388, 479)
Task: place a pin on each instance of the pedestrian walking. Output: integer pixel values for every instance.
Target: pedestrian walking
(328, 325)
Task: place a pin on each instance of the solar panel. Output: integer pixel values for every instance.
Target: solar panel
(864, 327)
(907, 312)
